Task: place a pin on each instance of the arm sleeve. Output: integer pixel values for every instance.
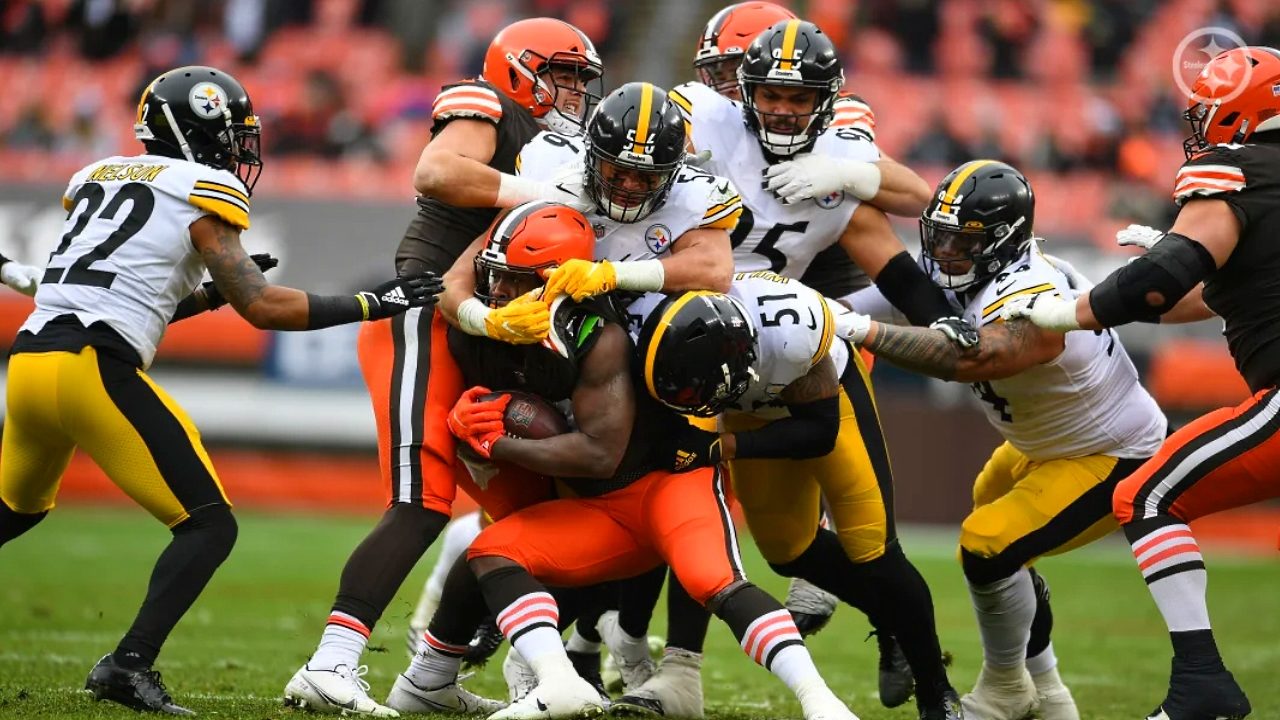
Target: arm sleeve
(809, 432)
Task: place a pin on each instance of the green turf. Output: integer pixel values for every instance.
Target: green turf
(69, 589)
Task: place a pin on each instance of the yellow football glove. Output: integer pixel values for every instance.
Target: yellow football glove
(581, 279)
(523, 321)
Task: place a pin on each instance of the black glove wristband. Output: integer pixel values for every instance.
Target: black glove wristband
(329, 310)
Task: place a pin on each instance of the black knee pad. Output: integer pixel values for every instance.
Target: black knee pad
(980, 570)
(216, 526)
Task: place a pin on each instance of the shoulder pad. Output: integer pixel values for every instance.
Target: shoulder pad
(723, 205)
(1029, 276)
(542, 156)
(220, 193)
(851, 111)
(1216, 170)
(469, 99)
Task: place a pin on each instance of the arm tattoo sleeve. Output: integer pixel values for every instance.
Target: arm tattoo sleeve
(819, 383)
(233, 271)
(917, 349)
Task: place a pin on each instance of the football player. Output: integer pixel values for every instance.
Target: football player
(636, 513)
(1227, 192)
(808, 415)
(1074, 417)
(832, 272)
(535, 75)
(140, 232)
(790, 76)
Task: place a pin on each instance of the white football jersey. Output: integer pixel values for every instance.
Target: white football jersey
(1087, 401)
(126, 257)
(794, 332)
(770, 235)
(697, 200)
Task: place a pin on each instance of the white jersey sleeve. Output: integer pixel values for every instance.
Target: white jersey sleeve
(542, 157)
(1086, 401)
(126, 257)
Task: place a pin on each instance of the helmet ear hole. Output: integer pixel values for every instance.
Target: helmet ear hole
(1230, 119)
(514, 77)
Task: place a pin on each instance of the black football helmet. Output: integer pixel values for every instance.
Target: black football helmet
(791, 53)
(981, 214)
(201, 114)
(635, 147)
(697, 351)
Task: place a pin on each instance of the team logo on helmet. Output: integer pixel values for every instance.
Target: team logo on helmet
(208, 100)
(1191, 63)
(830, 201)
(658, 238)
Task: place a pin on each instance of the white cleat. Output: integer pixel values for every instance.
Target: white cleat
(519, 676)
(1054, 698)
(407, 697)
(674, 691)
(1000, 695)
(564, 696)
(340, 690)
(826, 707)
(634, 674)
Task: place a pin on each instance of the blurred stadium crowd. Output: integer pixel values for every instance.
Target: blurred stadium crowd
(1077, 93)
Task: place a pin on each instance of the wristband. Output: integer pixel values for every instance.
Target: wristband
(640, 275)
(471, 317)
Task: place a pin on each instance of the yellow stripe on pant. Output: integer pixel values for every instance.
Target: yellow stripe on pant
(128, 425)
(1024, 509)
(781, 498)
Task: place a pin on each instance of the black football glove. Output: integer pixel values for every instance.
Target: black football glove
(395, 296)
(213, 296)
(693, 448)
(958, 330)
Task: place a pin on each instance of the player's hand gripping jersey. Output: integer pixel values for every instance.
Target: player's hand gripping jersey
(770, 235)
(1246, 290)
(698, 200)
(126, 256)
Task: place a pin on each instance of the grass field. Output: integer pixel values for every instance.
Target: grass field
(69, 589)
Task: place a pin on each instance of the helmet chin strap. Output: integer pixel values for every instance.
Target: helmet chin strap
(173, 125)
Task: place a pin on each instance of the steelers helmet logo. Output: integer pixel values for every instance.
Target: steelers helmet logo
(208, 100)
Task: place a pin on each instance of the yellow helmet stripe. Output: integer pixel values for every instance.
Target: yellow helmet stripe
(949, 198)
(142, 101)
(789, 44)
(642, 122)
(663, 323)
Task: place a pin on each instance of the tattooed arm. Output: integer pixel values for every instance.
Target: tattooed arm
(238, 278)
(1005, 349)
(810, 430)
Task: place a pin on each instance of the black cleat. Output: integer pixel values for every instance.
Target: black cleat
(588, 666)
(1202, 696)
(896, 679)
(948, 708)
(484, 643)
(138, 689)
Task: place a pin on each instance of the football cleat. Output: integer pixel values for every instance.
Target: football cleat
(588, 666)
(1053, 697)
(484, 643)
(811, 607)
(826, 706)
(564, 696)
(340, 690)
(138, 689)
(1000, 695)
(948, 708)
(633, 674)
(1202, 696)
(674, 691)
(519, 676)
(896, 680)
(452, 698)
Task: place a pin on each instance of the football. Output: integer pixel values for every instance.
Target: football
(529, 416)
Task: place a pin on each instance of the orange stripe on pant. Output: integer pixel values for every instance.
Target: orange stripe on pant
(1225, 459)
(413, 383)
(678, 518)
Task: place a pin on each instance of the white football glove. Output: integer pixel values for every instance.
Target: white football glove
(1048, 310)
(816, 176)
(698, 159)
(23, 278)
(1141, 236)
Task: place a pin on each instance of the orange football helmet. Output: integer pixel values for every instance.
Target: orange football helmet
(726, 37)
(1236, 95)
(519, 61)
(529, 239)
